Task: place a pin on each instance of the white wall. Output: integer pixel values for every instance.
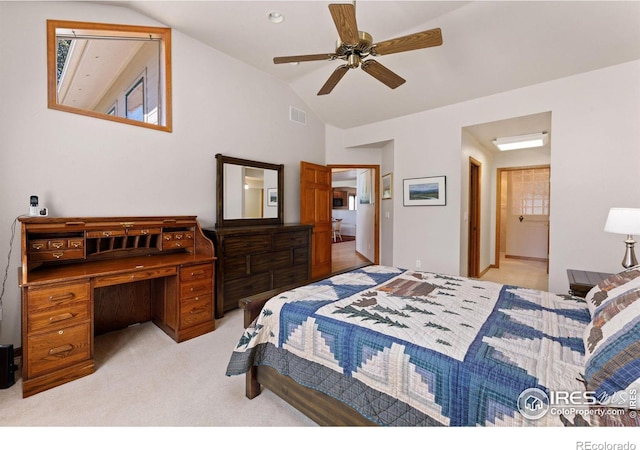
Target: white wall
(595, 162)
(81, 166)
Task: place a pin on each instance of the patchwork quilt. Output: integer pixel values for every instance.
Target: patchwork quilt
(416, 348)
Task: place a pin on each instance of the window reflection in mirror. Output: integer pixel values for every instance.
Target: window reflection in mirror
(114, 72)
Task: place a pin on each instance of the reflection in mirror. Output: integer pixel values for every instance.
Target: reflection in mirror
(249, 192)
(113, 72)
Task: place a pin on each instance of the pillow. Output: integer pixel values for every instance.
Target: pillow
(611, 287)
(612, 344)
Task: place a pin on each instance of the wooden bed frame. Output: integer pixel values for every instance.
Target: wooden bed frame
(319, 407)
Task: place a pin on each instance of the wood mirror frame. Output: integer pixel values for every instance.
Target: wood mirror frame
(103, 32)
(222, 186)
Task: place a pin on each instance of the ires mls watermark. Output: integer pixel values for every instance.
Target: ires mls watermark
(590, 445)
(534, 403)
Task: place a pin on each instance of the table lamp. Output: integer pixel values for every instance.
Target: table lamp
(625, 221)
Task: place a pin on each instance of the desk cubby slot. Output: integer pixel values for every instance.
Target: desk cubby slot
(126, 245)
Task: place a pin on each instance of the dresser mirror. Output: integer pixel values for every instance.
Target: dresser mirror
(120, 73)
(248, 192)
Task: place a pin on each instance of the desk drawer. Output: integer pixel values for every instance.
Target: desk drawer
(196, 310)
(193, 288)
(58, 317)
(57, 295)
(197, 272)
(57, 255)
(137, 275)
(107, 233)
(58, 349)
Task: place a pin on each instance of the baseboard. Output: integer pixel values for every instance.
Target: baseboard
(528, 258)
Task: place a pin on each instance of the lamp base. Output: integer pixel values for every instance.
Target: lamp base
(629, 259)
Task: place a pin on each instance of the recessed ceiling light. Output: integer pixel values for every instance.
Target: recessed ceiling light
(520, 142)
(275, 17)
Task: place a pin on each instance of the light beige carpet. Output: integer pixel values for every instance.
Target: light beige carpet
(143, 378)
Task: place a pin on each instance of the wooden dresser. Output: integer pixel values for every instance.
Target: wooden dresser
(89, 275)
(255, 259)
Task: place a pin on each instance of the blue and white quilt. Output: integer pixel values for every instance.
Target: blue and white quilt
(416, 348)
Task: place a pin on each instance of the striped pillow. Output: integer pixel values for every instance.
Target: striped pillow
(611, 287)
(612, 346)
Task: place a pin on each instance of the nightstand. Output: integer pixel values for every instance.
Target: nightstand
(581, 281)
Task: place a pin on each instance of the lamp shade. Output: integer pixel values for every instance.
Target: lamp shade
(623, 221)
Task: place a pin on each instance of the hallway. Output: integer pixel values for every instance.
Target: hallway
(344, 257)
(520, 272)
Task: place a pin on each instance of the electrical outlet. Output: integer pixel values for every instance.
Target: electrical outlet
(418, 264)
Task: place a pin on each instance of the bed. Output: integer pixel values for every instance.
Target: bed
(387, 346)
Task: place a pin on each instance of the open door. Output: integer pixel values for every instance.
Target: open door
(315, 209)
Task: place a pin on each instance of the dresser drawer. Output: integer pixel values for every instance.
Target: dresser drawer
(247, 286)
(235, 267)
(293, 275)
(196, 272)
(291, 239)
(241, 245)
(58, 349)
(58, 317)
(269, 261)
(194, 288)
(196, 310)
(57, 295)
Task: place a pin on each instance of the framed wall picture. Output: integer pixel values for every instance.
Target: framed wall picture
(428, 191)
(272, 197)
(386, 186)
(364, 187)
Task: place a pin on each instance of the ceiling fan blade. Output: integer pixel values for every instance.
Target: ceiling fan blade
(423, 39)
(335, 77)
(344, 16)
(303, 58)
(380, 72)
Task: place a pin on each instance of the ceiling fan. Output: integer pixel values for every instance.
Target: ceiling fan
(354, 46)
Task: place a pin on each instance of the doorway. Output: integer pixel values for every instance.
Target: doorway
(355, 194)
(473, 259)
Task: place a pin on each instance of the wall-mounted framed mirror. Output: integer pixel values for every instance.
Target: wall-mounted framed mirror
(248, 192)
(113, 72)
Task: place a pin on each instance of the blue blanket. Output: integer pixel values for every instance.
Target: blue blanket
(417, 348)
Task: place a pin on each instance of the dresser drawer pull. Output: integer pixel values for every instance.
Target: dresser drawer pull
(61, 317)
(62, 349)
(62, 297)
(57, 255)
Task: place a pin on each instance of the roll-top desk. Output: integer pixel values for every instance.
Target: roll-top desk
(85, 276)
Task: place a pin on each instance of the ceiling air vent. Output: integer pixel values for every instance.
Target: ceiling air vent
(297, 115)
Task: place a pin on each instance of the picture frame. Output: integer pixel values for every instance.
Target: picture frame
(387, 186)
(426, 191)
(272, 197)
(364, 187)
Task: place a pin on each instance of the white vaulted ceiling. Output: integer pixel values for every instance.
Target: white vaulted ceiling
(488, 46)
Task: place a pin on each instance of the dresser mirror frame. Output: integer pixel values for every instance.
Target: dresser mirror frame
(222, 188)
(101, 39)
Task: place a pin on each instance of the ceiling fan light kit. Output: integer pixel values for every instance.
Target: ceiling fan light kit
(355, 46)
